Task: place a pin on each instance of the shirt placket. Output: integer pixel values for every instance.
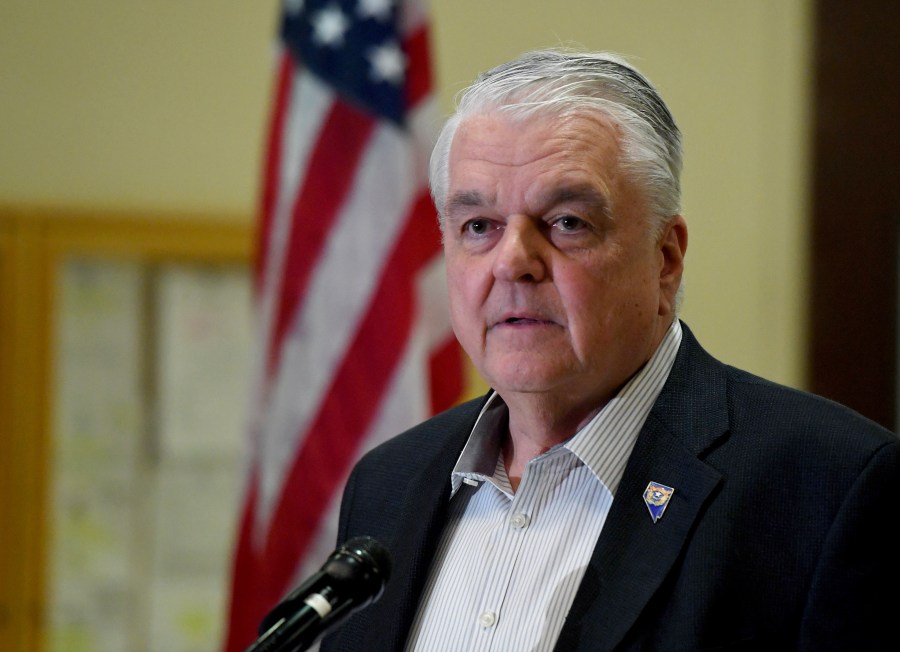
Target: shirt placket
(510, 546)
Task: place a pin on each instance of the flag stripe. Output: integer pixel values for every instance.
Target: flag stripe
(246, 608)
(283, 85)
(360, 243)
(407, 398)
(344, 136)
(308, 104)
(446, 371)
(418, 82)
(337, 431)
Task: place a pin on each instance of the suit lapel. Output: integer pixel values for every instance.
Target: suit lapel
(633, 554)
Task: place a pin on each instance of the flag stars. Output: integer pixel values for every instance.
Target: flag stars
(388, 63)
(329, 26)
(378, 9)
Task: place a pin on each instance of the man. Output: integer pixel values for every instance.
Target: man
(618, 488)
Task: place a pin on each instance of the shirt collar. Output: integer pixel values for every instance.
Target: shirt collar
(603, 444)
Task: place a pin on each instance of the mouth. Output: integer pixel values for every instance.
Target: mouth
(523, 320)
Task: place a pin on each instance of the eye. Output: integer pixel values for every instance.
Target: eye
(477, 226)
(569, 224)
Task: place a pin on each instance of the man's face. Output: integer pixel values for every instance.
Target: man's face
(557, 282)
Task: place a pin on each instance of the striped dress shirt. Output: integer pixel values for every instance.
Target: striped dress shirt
(509, 563)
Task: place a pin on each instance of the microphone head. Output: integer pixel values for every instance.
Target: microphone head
(361, 566)
(353, 576)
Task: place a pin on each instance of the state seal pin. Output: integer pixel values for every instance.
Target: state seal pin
(656, 497)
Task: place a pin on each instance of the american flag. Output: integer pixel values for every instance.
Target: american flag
(353, 337)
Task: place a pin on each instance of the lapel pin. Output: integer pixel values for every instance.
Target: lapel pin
(656, 497)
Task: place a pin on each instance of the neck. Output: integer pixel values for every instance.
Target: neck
(537, 423)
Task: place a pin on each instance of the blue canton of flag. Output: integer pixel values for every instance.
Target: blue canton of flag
(352, 45)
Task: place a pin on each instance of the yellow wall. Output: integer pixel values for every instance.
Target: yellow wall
(162, 106)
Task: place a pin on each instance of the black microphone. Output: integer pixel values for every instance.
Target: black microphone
(352, 577)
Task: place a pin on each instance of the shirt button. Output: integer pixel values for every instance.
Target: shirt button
(487, 619)
(520, 520)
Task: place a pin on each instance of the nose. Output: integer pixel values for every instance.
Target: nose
(520, 253)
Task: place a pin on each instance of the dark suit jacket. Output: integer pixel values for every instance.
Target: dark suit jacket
(779, 534)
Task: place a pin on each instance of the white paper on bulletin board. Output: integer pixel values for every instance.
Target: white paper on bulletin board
(204, 341)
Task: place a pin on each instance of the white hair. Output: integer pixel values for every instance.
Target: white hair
(559, 82)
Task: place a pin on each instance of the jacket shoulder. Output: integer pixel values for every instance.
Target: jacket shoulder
(407, 451)
(396, 471)
(788, 410)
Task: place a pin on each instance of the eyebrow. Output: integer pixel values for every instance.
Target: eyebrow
(465, 199)
(585, 194)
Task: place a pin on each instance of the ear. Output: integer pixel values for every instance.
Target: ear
(672, 248)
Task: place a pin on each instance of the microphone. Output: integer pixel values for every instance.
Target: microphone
(353, 577)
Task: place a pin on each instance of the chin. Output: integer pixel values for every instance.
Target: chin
(523, 371)
(533, 382)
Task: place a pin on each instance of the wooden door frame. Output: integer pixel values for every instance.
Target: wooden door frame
(34, 242)
(856, 206)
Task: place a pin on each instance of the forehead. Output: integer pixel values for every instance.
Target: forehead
(518, 139)
(500, 154)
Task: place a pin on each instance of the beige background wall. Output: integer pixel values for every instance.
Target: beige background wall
(161, 107)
